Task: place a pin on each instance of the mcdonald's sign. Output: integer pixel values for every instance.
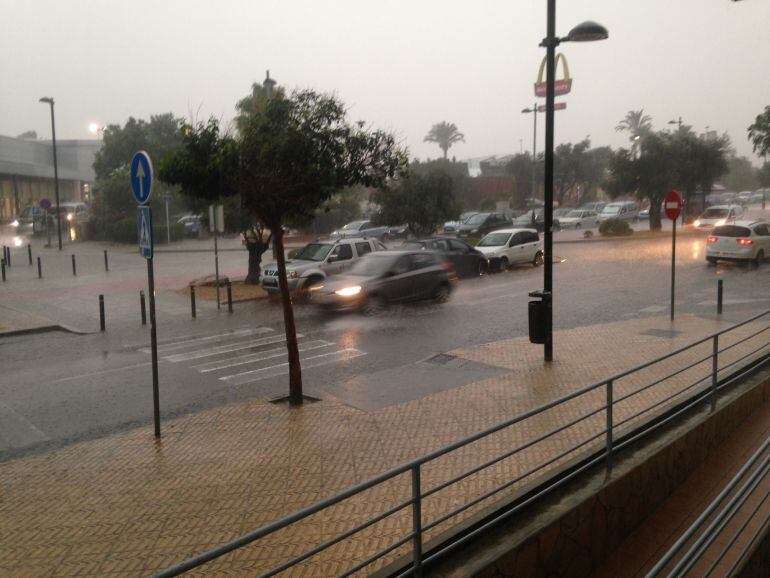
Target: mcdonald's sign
(560, 85)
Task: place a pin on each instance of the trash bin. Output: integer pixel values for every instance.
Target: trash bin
(538, 317)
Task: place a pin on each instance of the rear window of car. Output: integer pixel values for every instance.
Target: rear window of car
(731, 231)
(363, 248)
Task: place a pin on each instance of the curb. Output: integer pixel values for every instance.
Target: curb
(41, 329)
(627, 238)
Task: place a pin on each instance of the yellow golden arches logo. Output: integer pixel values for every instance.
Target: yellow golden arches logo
(560, 86)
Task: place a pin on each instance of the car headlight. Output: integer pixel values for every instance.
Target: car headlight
(720, 222)
(70, 216)
(15, 223)
(291, 274)
(697, 222)
(348, 291)
(474, 231)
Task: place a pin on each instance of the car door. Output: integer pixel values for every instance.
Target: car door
(516, 248)
(423, 274)
(762, 233)
(531, 245)
(441, 246)
(397, 284)
(339, 258)
(463, 257)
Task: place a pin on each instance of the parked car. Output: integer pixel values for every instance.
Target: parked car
(192, 225)
(562, 212)
(466, 261)
(718, 215)
(73, 213)
(595, 206)
(383, 278)
(623, 210)
(32, 218)
(579, 219)
(316, 261)
(739, 241)
(644, 214)
(535, 220)
(360, 229)
(397, 232)
(482, 223)
(452, 226)
(509, 246)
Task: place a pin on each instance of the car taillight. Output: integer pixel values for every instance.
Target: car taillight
(711, 240)
(447, 266)
(745, 242)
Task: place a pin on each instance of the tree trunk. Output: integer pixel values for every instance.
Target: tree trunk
(446, 150)
(256, 249)
(295, 371)
(655, 224)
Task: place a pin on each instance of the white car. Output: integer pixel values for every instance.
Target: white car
(508, 246)
(739, 241)
(718, 215)
(579, 219)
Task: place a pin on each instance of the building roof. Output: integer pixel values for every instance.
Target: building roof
(34, 158)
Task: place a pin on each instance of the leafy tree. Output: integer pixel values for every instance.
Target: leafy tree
(741, 174)
(445, 134)
(28, 134)
(578, 166)
(759, 133)
(341, 208)
(457, 173)
(638, 125)
(249, 105)
(422, 201)
(763, 175)
(520, 168)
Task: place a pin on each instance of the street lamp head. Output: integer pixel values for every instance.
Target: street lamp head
(587, 32)
(527, 110)
(47, 100)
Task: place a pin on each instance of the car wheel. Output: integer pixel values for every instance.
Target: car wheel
(538, 260)
(481, 268)
(374, 305)
(306, 291)
(759, 258)
(711, 260)
(577, 226)
(442, 294)
(503, 265)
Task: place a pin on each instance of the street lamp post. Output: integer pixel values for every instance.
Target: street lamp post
(585, 32)
(533, 110)
(49, 100)
(677, 122)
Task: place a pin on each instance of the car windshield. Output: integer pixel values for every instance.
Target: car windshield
(575, 214)
(465, 216)
(611, 209)
(731, 231)
(476, 219)
(354, 226)
(372, 265)
(714, 214)
(494, 240)
(314, 252)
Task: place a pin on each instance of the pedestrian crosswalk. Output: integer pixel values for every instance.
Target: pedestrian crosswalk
(248, 355)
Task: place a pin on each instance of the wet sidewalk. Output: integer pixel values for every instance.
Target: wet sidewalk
(126, 505)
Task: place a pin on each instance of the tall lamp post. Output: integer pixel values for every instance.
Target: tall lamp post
(49, 100)
(533, 110)
(585, 32)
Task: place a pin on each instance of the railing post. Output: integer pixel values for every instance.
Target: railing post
(714, 369)
(719, 296)
(608, 457)
(416, 523)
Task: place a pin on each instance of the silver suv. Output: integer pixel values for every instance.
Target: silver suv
(316, 261)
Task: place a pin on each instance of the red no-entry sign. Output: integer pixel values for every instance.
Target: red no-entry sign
(673, 205)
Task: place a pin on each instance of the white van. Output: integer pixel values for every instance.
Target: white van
(623, 210)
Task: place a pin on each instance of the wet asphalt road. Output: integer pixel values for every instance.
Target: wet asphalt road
(58, 387)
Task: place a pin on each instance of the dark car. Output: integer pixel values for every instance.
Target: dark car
(482, 223)
(386, 277)
(466, 261)
(535, 220)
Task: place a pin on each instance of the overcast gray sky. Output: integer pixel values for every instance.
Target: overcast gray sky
(401, 65)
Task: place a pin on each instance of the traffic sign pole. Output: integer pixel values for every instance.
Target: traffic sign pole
(153, 346)
(673, 207)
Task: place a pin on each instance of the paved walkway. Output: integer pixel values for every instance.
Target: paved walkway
(125, 505)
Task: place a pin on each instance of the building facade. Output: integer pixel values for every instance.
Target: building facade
(27, 175)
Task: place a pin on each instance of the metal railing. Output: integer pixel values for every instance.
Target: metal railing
(627, 417)
(745, 484)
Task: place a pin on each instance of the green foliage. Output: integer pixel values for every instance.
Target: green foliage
(759, 133)
(125, 231)
(445, 134)
(615, 228)
(341, 208)
(638, 125)
(253, 103)
(28, 134)
(763, 175)
(576, 166)
(112, 201)
(422, 202)
(741, 175)
(457, 173)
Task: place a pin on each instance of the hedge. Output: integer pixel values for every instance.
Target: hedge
(125, 231)
(615, 228)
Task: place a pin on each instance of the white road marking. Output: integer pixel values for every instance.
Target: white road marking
(282, 368)
(261, 356)
(200, 353)
(170, 345)
(101, 372)
(14, 426)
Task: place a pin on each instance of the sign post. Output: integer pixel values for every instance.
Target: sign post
(141, 187)
(45, 204)
(673, 206)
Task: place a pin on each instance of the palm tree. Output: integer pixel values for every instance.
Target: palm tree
(638, 126)
(445, 134)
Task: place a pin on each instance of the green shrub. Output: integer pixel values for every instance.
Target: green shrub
(125, 231)
(615, 228)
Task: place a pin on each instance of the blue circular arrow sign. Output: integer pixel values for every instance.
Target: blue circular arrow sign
(141, 177)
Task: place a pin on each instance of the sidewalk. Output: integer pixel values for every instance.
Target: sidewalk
(125, 505)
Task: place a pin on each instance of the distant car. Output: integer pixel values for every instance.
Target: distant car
(595, 206)
(562, 212)
(739, 241)
(360, 229)
(397, 232)
(510, 246)
(718, 215)
(192, 225)
(482, 223)
(32, 218)
(644, 214)
(73, 213)
(579, 219)
(452, 226)
(316, 261)
(383, 278)
(466, 261)
(744, 197)
(758, 196)
(537, 222)
(622, 210)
